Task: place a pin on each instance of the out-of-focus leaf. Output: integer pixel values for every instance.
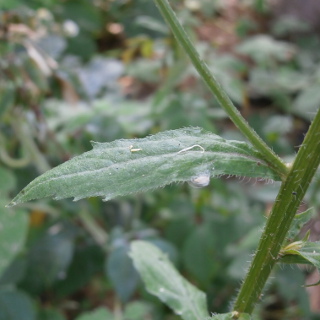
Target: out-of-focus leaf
(152, 24)
(8, 179)
(53, 45)
(145, 70)
(49, 259)
(15, 305)
(241, 253)
(287, 279)
(9, 5)
(87, 261)
(36, 74)
(88, 16)
(225, 68)
(198, 254)
(307, 102)
(119, 268)
(138, 310)
(8, 96)
(50, 314)
(163, 280)
(14, 273)
(184, 110)
(99, 73)
(263, 49)
(278, 125)
(289, 24)
(298, 222)
(13, 231)
(264, 82)
(98, 314)
(166, 247)
(126, 166)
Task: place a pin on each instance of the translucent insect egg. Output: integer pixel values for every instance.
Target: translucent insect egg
(200, 181)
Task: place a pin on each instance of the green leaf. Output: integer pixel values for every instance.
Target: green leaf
(13, 230)
(306, 252)
(50, 314)
(307, 102)
(87, 261)
(138, 310)
(15, 305)
(126, 166)
(7, 181)
(164, 281)
(48, 259)
(264, 49)
(298, 222)
(198, 254)
(231, 316)
(120, 270)
(98, 314)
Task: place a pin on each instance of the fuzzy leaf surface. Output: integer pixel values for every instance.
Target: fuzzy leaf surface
(123, 167)
(231, 316)
(164, 281)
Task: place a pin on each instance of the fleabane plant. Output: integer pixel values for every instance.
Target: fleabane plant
(126, 166)
(193, 155)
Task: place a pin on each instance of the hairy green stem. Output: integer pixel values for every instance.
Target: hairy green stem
(273, 160)
(283, 212)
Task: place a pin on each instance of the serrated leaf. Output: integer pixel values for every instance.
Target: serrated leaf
(164, 281)
(125, 166)
(231, 316)
(298, 222)
(307, 252)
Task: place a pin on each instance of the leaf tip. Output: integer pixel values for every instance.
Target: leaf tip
(11, 204)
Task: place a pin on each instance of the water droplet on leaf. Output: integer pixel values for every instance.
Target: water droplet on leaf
(200, 181)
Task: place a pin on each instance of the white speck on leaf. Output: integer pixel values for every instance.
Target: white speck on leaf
(194, 146)
(200, 181)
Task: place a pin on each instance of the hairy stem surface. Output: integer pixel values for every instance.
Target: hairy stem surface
(283, 212)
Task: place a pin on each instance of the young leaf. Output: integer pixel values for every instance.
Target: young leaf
(164, 281)
(125, 166)
(298, 222)
(306, 252)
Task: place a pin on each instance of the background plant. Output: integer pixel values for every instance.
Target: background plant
(169, 218)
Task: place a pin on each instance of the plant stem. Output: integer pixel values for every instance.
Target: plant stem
(283, 212)
(273, 160)
(26, 138)
(97, 233)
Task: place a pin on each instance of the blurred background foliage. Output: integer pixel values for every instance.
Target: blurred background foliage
(76, 71)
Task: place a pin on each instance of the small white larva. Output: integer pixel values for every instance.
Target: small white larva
(200, 181)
